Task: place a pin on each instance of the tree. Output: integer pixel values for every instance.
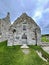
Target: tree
(35, 31)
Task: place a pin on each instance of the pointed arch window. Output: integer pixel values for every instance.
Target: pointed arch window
(24, 36)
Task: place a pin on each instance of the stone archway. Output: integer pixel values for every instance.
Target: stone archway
(24, 39)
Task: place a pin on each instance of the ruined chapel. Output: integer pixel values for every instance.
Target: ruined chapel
(24, 30)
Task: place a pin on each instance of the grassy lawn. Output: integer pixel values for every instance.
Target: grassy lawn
(44, 39)
(14, 55)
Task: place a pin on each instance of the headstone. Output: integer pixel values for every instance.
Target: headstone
(24, 46)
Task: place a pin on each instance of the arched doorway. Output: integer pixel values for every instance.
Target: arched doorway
(24, 39)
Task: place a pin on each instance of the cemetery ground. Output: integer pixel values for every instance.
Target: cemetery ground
(14, 56)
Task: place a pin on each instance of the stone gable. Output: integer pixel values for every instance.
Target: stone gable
(24, 30)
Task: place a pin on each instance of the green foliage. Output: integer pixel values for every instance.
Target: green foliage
(45, 35)
(44, 39)
(14, 55)
(44, 54)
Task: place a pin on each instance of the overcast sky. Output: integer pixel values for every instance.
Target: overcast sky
(37, 9)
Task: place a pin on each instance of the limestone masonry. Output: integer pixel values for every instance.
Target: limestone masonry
(24, 30)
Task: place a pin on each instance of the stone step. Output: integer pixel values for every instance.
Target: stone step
(44, 44)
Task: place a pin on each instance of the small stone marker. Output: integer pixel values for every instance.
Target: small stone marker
(25, 49)
(24, 46)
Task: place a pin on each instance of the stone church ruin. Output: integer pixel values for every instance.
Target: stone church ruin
(24, 30)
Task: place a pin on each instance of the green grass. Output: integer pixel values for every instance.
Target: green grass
(44, 39)
(14, 55)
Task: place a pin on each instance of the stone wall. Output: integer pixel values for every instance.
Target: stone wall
(13, 33)
(30, 32)
(4, 27)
